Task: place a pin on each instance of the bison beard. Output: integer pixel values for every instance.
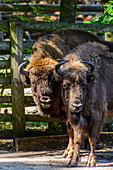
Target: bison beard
(74, 117)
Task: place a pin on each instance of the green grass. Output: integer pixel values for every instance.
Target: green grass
(42, 126)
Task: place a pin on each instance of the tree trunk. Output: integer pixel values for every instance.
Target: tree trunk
(68, 11)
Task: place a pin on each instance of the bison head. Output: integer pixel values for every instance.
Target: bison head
(76, 77)
(44, 81)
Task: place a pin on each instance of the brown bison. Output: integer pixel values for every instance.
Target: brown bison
(40, 72)
(87, 92)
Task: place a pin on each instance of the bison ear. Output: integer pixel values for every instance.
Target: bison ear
(90, 78)
(25, 79)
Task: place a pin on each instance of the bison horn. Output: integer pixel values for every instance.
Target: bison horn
(57, 68)
(21, 69)
(90, 64)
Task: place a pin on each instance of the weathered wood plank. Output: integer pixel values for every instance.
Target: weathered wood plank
(28, 118)
(53, 26)
(48, 7)
(49, 26)
(5, 46)
(28, 8)
(90, 8)
(17, 88)
(7, 99)
(38, 118)
(5, 80)
(4, 63)
(8, 1)
(4, 25)
(5, 117)
(28, 44)
(53, 142)
(108, 120)
(41, 143)
(28, 99)
(1, 32)
(8, 134)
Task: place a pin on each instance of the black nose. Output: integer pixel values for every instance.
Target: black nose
(77, 107)
(44, 98)
(45, 102)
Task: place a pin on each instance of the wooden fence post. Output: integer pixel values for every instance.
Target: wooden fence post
(17, 88)
(1, 32)
(68, 11)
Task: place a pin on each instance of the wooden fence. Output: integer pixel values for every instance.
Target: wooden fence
(15, 48)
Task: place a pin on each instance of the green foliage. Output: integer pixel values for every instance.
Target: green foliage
(3, 105)
(106, 17)
(4, 30)
(10, 1)
(27, 51)
(37, 10)
(40, 126)
(56, 127)
(4, 72)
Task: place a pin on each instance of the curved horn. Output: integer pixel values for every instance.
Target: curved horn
(21, 69)
(57, 68)
(90, 64)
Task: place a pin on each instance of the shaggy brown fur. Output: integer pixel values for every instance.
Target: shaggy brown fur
(59, 43)
(44, 81)
(91, 90)
(39, 65)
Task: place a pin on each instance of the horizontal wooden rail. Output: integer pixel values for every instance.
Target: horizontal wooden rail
(28, 118)
(38, 118)
(7, 99)
(28, 8)
(47, 7)
(5, 117)
(5, 80)
(49, 26)
(5, 46)
(90, 8)
(4, 26)
(50, 14)
(8, 1)
(4, 63)
(53, 26)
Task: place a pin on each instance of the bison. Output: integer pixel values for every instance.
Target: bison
(40, 72)
(87, 93)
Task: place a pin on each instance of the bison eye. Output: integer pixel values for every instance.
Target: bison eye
(66, 85)
(83, 82)
(90, 78)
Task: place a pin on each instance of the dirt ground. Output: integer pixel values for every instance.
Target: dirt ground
(52, 159)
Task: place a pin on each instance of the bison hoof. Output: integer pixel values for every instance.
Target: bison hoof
(67, 153)
(72, 164)
(91, 162)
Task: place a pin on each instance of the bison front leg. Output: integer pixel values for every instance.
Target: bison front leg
(93, 137)
(92, 158)
(69, 151)
(77, 143)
